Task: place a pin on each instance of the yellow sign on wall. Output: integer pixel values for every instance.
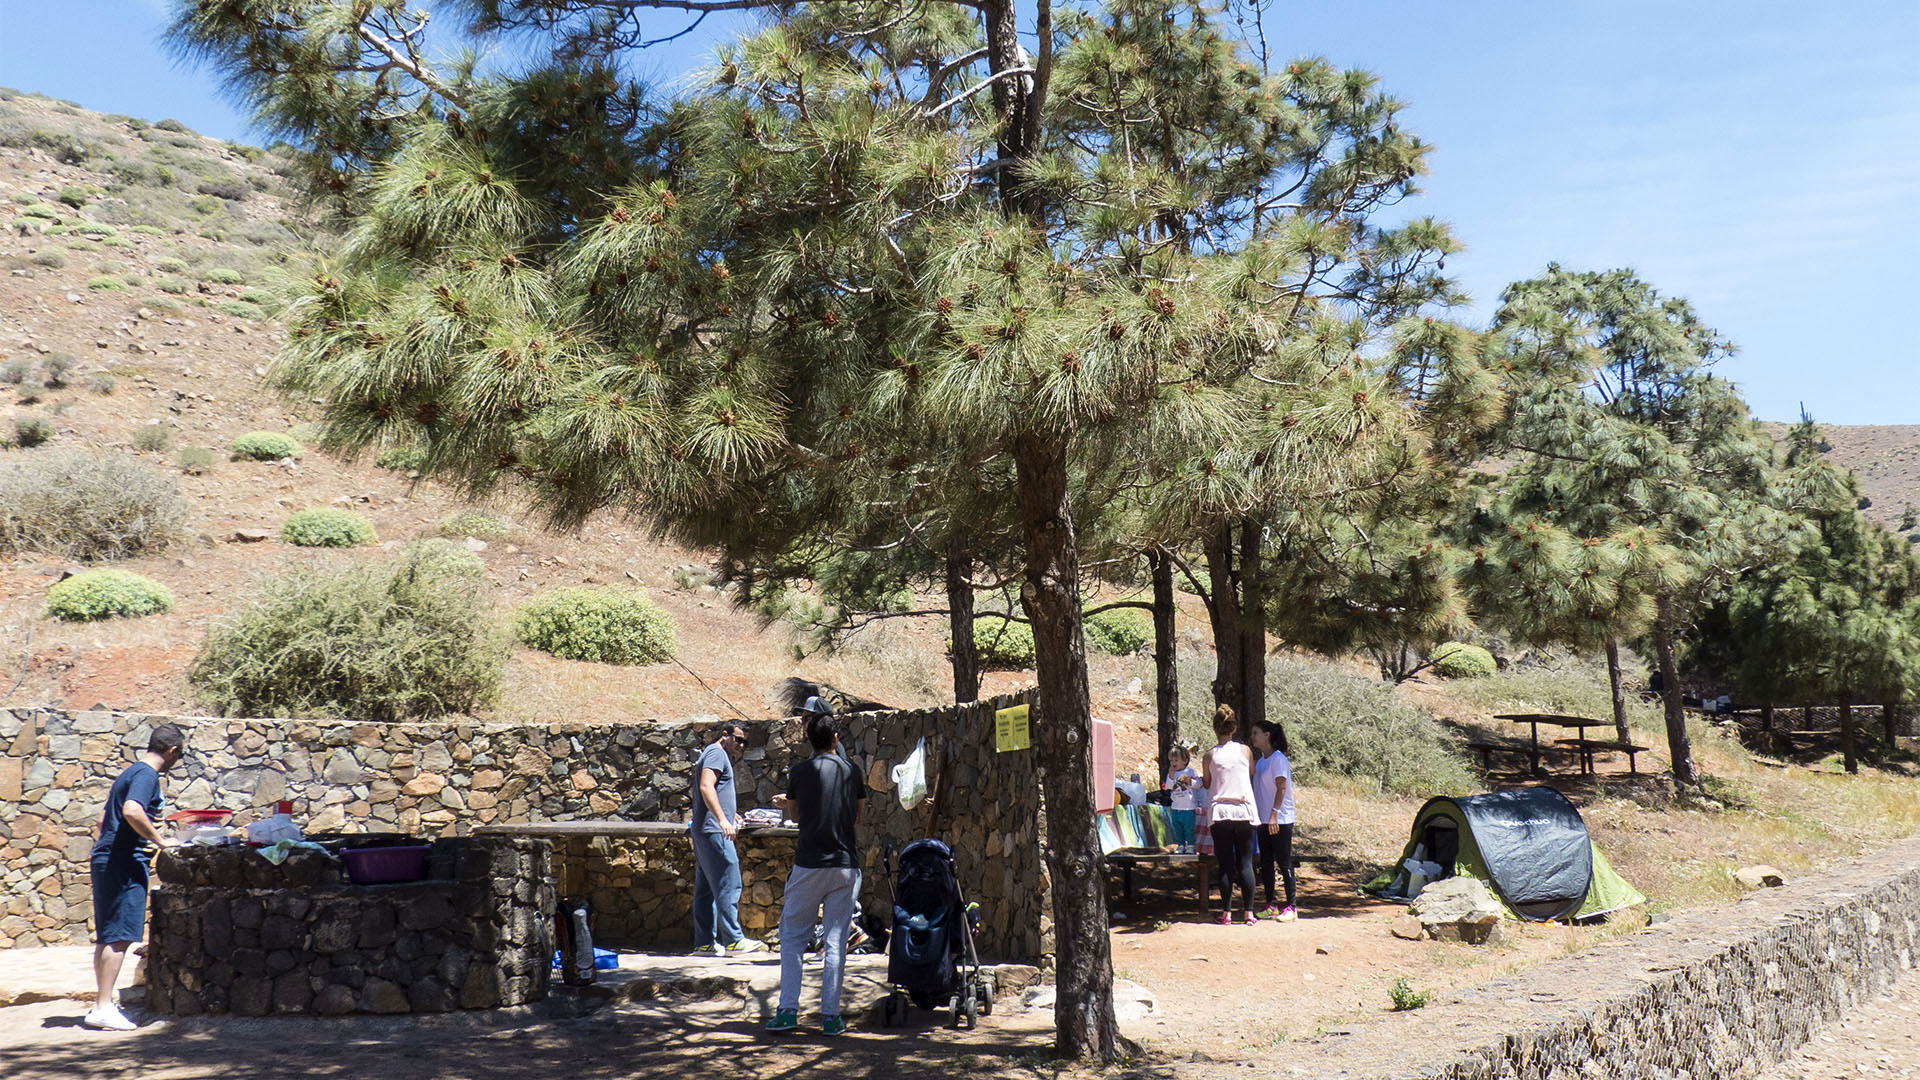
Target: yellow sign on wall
(1011, 730)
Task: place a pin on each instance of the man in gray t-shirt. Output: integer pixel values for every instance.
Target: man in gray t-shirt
(716, 864)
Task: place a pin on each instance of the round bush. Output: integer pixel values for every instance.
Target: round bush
(31, 431)
(1458, 660)
(105, 594)
(475, 523)
(401, 458)
(1003, 643)
(324, 526)
(377, 642)
(608, 625)
(224, 276)
(1118, 632)
(435, 557)
(266, 446)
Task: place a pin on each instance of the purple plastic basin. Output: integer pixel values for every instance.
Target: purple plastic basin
(386, 865)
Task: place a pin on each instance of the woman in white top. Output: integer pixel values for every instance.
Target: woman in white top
(1228, 771)
(1273, 799)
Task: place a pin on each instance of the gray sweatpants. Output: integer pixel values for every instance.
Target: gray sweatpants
(827, 894)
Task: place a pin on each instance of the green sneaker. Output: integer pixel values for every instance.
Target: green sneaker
(833, 1025)
(784, 1020)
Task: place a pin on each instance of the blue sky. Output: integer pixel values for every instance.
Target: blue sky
(1760, 158)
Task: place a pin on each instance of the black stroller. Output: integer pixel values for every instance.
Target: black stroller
(931, 959)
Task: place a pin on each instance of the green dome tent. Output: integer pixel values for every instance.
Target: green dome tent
(1528, 844)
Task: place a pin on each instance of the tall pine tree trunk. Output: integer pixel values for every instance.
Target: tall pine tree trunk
(1166, 665)
(1847, 732)
(966, 658)
(1253, 628)
(1778, 741)
(1887, 725)
(1619, 692)
(1679, 746)
(1223, 612)
(1083, 1013)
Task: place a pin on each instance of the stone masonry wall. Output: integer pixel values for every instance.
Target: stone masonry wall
(1718, 994)
(444, 778)
(233, 933)
(985, 804)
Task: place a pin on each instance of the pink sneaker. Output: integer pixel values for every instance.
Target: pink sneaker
(1225, 918)
(1287, 914)
(1251, 919)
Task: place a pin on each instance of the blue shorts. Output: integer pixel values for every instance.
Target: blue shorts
(119, 900)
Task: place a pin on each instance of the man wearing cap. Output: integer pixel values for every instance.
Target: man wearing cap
(118, 868)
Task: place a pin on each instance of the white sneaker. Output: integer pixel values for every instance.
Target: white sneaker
(108, 1019)
(747, 944)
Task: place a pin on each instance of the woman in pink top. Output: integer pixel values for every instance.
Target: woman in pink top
(1228, 772)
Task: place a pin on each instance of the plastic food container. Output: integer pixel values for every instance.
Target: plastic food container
(386, 865)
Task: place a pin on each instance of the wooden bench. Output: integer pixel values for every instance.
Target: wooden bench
(1590, 747)
(1487, 748)
(1125, 861)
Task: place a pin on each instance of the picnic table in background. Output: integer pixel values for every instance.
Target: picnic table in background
(1580, 724)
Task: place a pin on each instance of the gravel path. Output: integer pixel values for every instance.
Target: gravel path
(1879, 1038)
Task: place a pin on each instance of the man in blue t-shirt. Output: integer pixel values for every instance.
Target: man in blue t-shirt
(716, 864)
(825, 795)
(118, 868)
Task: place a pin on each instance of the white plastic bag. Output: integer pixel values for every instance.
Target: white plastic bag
(910, 777)
(272, 830)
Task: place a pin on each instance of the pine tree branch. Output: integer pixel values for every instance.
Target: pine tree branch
(411, 64)
(976, 88)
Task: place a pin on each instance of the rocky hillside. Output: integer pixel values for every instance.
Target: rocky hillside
(1886, 459)
(139, 265)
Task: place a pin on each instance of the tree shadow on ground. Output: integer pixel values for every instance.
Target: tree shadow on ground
(660, 1040)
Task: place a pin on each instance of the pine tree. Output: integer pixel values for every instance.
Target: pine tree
(1624, 436)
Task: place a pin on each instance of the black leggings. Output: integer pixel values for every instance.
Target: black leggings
(1233, 856)
(1276, 847)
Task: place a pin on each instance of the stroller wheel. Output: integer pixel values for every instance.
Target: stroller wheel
(956, 1010)
(970, 1006)
(983, 994)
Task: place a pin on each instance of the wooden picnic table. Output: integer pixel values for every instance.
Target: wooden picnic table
(1580, 724)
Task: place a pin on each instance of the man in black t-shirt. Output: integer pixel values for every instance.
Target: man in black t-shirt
(825, 794)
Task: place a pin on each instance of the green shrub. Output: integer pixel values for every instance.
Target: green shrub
(1118, 632)
(88, 506)
(170, 285)
(401, 458)
(52, 260)
(94, 228)
(38, 210)
(195, 460)
(164, 304)
(608, 625)
(153, 438)
(147, 230)
(266, 446)
(170, 124)
(116, 242)
(1343, 725)
(224, 276)
(106, 594)
(59, 369)
(1405, 997)
(102, 383)
(29, 431)
(240, 309)
(325, 526)
(1002, 642)
(1459, 660)
(368, 642)
(260, 297)
(105, 283)
(231, 189)
(444, 558)
(74, 196)
(30, 391)
(205, 204)
(15, 372)
(475, 523)
(170, 265)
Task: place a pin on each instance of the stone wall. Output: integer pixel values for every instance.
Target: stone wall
(1715, 995)
(986, 804)
(444, 778)
(234, 933)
